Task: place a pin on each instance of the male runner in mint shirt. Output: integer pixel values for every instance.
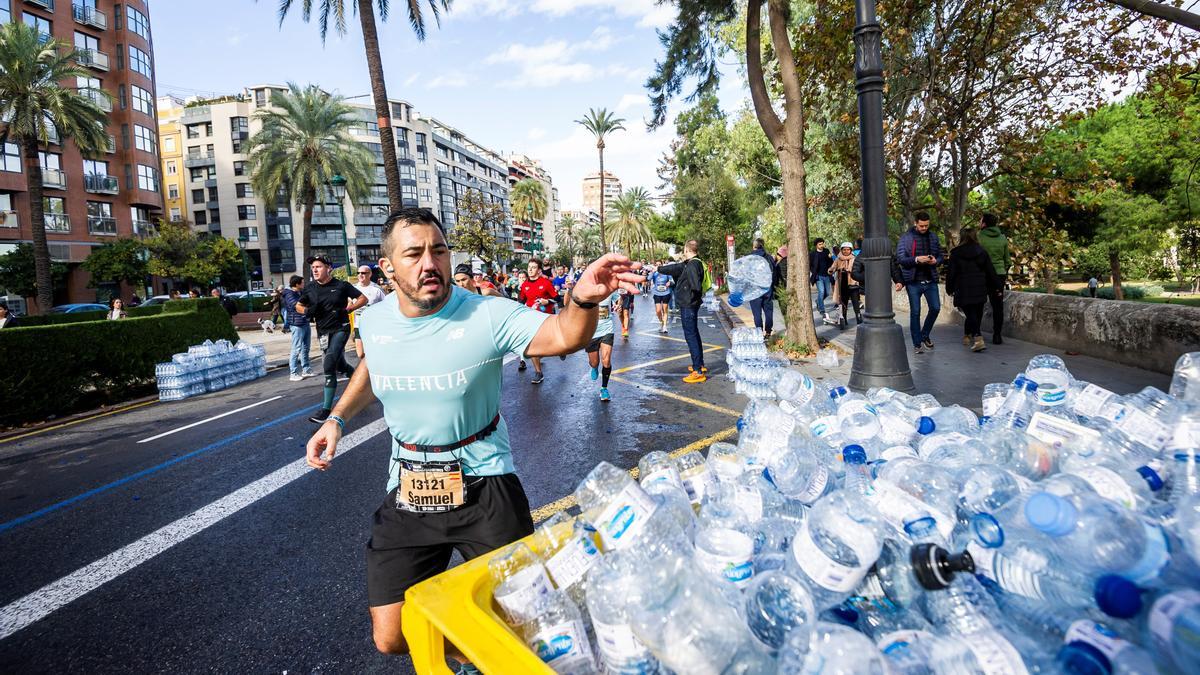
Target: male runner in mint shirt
(433, 358)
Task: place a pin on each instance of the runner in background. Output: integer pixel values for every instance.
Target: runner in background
(660, 290)
(328, 302)
(537, 293)
(599, 350)
(365, 285)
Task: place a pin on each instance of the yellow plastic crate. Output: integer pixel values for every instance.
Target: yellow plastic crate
(457, 605)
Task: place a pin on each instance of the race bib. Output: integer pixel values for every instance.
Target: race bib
(430, 486)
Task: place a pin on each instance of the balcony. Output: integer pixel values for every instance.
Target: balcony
(54, 178)
(52, 137)
(93, 58)
(144, 228)
(240, 134)
(57, 222)
(98, 97)
(370, 216)
(210, 183)
(100, 184)
(200, 159)
(9, 220)
(105, 225)
(326, 217)
(110, 146)
(368, 234)
(88, 15)
(213, 205)
(328, 238)
(198, 113)
(48, 4)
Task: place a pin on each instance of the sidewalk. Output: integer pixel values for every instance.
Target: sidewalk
(279, 346)
(955, 374)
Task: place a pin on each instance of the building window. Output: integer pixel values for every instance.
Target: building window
(200, 217)
(237, 146)
(423, 175)
(198, 173)
(144, 140)
(168, 144)
(147, 178)
(138, 23)
(210, 172)
(244, 191)
(198, 196)
(139, 61)
(239, 168)
(175, 214)
(42, 25)
(426, 195)
(260, 98)
(408, 171)
(247, 212)
(248, 233)
(241, 124)
(408, 193)
(172, 168)
(93, 168)
(212, 194)
(173, 191)
(214, 216)
(143, 102)
(100, 220)
(193, 130)
(5, 17)
(12, 158)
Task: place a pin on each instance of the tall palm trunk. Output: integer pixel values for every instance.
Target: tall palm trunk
(310, 202)
(603, 239)
(391, 170)
(37, 218)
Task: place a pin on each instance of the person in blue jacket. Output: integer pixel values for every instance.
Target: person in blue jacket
(919, 254)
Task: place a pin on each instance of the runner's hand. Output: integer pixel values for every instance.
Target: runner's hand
(607, 274)
(324, 442)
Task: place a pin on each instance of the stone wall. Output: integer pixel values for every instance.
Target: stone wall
(1140, 334)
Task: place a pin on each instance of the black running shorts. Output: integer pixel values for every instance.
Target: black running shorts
(407, 548)
(627, 301)
(662, 299)
(594, 345)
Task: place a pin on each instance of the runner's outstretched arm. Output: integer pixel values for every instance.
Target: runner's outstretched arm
(358, 395)
(572, 329)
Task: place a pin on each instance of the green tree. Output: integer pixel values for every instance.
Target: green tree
(336, 9)
(304, 142)
(528, 201)
(707, 207)
(478, 223)
(627, 221)
(177, 252)
(18, 271)
(601, 123)
(118, 260)
(35, 104)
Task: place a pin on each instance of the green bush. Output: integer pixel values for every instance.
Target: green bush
(1131, 293)
(1153, 290)
(76, 317)
(56, 369)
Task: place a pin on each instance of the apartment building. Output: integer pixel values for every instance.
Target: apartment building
(437, 162)
(538, 236)
(91, 200)
(591, 191)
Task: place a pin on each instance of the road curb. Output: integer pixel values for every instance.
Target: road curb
(76, 417)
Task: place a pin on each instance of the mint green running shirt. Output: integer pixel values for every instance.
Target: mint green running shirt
(439, 376)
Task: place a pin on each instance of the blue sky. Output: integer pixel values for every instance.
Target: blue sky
(511, 74)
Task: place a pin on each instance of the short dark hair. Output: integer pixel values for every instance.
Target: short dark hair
(534, 261)
(295, 279)
(759, 243)
(409, 215)
(818, 240)
(463, 268)
(968, 235)
(921, 215)
(989, 220)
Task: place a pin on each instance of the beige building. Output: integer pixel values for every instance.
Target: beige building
(540, 236)
(591, 191)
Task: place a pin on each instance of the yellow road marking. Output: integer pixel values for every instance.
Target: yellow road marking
(678, 397)
(654, 363)
(78, 421)
(543, 512)
(651, 333)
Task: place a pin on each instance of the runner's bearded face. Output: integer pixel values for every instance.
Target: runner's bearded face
(422, 266)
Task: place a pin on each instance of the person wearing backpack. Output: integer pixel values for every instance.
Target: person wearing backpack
(692, 281)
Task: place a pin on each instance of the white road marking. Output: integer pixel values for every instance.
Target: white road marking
(210, 419)
(56, 595)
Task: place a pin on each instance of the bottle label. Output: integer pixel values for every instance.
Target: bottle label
(1056, 431)
(994, 654)
(737, 567)
(749, 500)
(855, 407)
(829, 573)
(823, 426)
(936, 442)
(1108, 484)
(1143, 428)
(898, 639)
(620, 648)
(563, 647)
(1167, 608)
(898, 452)
(984, 558)
(816, 486)
(624, 516)
(1052, 386)
(992, 405)
(1091, 400)
(522, 590)
(570, 564)
(696, 483)
(898, 507)
(1103, 638)
(665, 474)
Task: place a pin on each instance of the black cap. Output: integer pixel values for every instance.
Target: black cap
(935, 567)
(314, 258)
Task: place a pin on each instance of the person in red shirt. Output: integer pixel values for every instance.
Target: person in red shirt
(539, 293)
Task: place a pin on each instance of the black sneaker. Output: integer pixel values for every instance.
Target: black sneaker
(320, 416)
(537, 378)
(928, 344)
(997, 340)
(521, 367)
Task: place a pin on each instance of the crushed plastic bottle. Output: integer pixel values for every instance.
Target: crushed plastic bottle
(749, 278)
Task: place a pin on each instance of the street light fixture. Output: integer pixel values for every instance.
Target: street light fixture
(880, 354)
(243, 241)
(338, 183)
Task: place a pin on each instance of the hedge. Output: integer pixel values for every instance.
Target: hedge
(55, 369)
(76, 317)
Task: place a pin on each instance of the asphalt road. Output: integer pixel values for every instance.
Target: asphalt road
(212, 549)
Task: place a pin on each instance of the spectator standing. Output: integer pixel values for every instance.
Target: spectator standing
(7, 320)
(919, 254)
(819, 261)
(193, 293)
(781, 267)
(116, 309)
(1093, 286)
(298, 364)
(846, 289)
(689, 292)
(972, 280)
(763, 307)
(226, 301)
(373, 294)
(992, 239)
(174, 295)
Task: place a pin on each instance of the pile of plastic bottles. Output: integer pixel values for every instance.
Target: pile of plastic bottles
(851, 533)
(210, 366)
(752, 367)
(749, 278)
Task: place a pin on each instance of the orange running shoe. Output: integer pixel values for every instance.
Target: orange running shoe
(695, 378)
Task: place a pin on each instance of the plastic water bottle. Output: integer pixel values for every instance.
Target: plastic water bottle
(1173, 628)
(695, 475)
(1147, 420)
(569, 550)
(609, 584)
(1052, 378)
(1094, 405)
(900, 424)
(1113, 478)
(614, 504)
(776, 606)
(749, 278)
(1021, 453)
(832, 648)
(557, 634)
(955, 419)
(856, 476)
(1094, 534)
(993, 397)
(1185, 384)
(857, 417)
(987, 488)
(794, 389)
(800, 475)
(521, 581)
(926, 403)
(908, 489)
(835, 547)
(1018, 407)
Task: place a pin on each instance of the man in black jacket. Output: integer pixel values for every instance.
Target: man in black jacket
(763, 307)
(689, 292)
(819, 261)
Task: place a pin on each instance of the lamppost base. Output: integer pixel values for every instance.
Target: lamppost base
(881, 358)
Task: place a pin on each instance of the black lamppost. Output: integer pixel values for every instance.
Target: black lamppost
(338, 183)
(243, 241)
(880, 354)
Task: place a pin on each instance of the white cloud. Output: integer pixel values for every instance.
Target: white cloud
(600, 40)
(551, 63)
(648, 13)
(450, 80)
(408, 81)
(631, 101)
(536, 134)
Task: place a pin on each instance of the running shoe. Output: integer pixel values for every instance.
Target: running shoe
(595, 373)
(695, 378)
(521, 366)
(320, 416)
(703, 369)
(562, 357)
(604, 394)
(308, 373)
(928, 343)
(467, 669)
(625, 334)
(294, 378)
(537, 378)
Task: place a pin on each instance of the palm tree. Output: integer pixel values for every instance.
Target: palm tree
(33, 105)
(366, 16)
(304, 142)
(566, 234)
(630, 212)
(601, 123)
(528, 200)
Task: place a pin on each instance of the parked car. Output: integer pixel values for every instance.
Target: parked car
(78, 307)
(156, 300)
(242, 294)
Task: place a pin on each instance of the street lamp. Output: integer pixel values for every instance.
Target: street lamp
(243, 241)
(338, 182)
(880, 354)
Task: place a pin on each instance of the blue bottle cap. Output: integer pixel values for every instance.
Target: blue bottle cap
(854, 454)
(1019, 380)
(1051, 514)
(1152, 478)
(926, 426)
(1031, 386)
(920, 524)
(987, 530)
(1116, 596)
(1080, 658)
(837, 392)
(845, 614)
(735, 299)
